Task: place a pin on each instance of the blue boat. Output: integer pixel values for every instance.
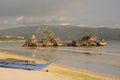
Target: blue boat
(25, 65)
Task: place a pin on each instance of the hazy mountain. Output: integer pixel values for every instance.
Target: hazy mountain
(64, 32)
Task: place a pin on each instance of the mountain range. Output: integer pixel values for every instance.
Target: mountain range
(64, 32)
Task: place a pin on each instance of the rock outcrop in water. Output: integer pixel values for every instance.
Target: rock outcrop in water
(50, 40)
(88, 41)
(45, 42)
(32, 42)
(55, 41)
(102, 42)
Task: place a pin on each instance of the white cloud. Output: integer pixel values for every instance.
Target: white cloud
(47, 21)
(109, 26)
(20, 19)
(115, 26)
(5, 23)
(83, 25)
(28, 20)
(100, 26)
(58, 21)
(65, 24)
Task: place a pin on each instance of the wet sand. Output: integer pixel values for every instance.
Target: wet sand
(56, 72)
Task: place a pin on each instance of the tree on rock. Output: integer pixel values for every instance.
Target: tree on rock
(49, 34)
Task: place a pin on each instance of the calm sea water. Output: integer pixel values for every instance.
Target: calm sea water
(106, 58)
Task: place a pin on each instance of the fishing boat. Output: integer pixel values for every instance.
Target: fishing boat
(23, 65)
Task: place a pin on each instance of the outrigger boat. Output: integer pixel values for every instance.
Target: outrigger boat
(23, 64)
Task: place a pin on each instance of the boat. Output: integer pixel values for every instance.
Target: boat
(23, 65)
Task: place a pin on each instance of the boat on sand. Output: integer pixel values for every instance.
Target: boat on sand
(23, 64)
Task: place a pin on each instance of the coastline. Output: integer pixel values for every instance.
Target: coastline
(13, 41)
(56, 72)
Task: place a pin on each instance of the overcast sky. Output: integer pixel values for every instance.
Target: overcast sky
(92, 13)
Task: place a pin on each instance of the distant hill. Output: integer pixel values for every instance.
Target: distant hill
(64, 32)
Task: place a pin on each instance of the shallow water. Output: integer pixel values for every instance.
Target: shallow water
(104, 59)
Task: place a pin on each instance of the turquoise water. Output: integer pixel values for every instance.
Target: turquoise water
(106, 58)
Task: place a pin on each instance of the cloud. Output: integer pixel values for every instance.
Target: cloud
(63, 19)
(5, 23)
(32, 20)
(109, 26)
(84, 11)
(64, 24)
(83, 25)
(40, 7)
(48, 21)
(73, 7)
(57, 21)
(100, 26)
(115, 26)
(27, 20)
(20, 19)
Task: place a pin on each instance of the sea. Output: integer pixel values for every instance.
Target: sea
(103, 60)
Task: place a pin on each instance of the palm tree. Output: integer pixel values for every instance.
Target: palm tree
(49, 34)
(87, 31)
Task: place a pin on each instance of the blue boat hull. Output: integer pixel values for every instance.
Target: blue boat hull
(24, 66)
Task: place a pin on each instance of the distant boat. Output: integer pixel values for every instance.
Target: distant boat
(23, 65)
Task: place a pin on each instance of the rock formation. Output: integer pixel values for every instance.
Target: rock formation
(88, 41)
(102, 42)
(50, 40)
(56, 42)
(45, 42)
(33, 42)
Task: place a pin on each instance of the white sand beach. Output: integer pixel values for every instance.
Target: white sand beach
(56, 72)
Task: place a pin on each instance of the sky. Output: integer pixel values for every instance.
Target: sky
(81, 13)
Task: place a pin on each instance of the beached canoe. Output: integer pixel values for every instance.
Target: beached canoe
(21, 65)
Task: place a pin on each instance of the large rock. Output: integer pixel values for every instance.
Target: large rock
(55, 41)
(33, 42)
(88, 41)
(45, 42)
(102, 42)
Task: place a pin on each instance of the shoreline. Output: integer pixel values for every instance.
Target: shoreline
(14, 41)
(61, 72)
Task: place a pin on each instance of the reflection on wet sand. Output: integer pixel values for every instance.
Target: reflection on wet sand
(47, 56)
(90, 53)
